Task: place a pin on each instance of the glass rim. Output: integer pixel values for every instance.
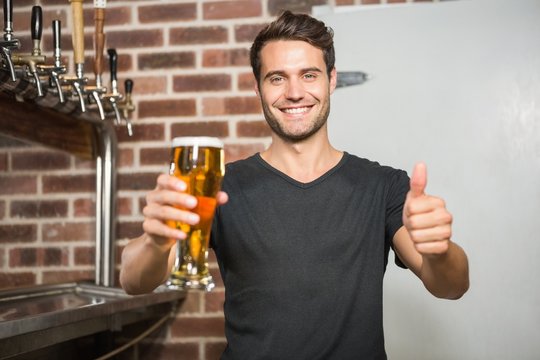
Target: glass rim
(205, 141)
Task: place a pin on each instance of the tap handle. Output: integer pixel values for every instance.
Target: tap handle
(99, 39)
(8, 15)
(128, 85)
(57, 26)
(113, 62)
(78, 32)
(36, 24)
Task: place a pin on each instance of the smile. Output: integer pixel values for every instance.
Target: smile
(299, 110)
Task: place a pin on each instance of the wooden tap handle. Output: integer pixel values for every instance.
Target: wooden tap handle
(99, 39)
(78, 31)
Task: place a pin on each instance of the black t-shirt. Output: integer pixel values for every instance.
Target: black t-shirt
(303, 263)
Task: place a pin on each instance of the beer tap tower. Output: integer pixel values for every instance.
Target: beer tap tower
(30, 62)
(9, 43)
(56, 69)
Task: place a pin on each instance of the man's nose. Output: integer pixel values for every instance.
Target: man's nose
(295, 89)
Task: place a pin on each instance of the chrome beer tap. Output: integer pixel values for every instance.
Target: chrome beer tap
(56, 69)
(126, 105)
(114, 96)
(77, 82)
(9, 43)
(32, 60)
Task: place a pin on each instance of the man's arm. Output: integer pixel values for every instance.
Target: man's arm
(424, 245)
(148, 259)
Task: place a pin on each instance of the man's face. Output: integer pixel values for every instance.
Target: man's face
(294, 88)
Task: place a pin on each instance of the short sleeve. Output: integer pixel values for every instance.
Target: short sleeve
(398, 187)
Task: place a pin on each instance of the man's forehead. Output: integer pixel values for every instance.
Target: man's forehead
(290, 54)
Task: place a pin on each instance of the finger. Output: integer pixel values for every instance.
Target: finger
(165, 213)
(432, 248)
(434, 218)
(166, 181)
(222, 198)
(424, 204)
(437, 233)
(172, 198)
(160, 232)
(418, 180)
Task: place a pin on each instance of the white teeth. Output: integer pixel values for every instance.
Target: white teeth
(296, 110)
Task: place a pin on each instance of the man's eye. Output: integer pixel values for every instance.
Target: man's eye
(276, 79)
(310, 76)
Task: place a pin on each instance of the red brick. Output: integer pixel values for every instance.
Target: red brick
(155, 156)
(144, 132)
(2, 209)
(247, 32)
(68, 183)
(113, 16)
(193, 326)
(369, 2)
(246, 81)
(225, 57)
(235, 152)
(275, 7)
(67, 45)
(68, 231)
(395, 1)
(213, 350)
(12, 280)
(124, 206)
(134, 39)
(231, 9)
(25, 257)
(125, 158)
(160, 12)
(84, 208)
(128, 230)
(166, 60)
(22, 19)
(214, 301)
(217, 278)
(198, 35)
(231, 106)
(84, 163)
(344, 2)
(210, 128)
(18, 233)
(39, 209)
(253, 129)
(191, 304)
(145, 85)
(85, 255)
(168, 108)
(137, 181)
(12, 185)
(208, 82)
(3, 162)
(2, 257)
(55, 277)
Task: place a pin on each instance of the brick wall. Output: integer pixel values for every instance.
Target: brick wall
(189, 61)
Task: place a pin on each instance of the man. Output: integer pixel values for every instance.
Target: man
(304, 230)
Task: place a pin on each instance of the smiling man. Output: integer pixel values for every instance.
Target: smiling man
(303, 232)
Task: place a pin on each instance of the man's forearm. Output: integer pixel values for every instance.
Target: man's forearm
(446, 276)
(144, 265)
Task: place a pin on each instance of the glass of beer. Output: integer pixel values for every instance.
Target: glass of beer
(199, 162)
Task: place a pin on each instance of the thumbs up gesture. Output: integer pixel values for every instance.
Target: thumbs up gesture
(425, 217)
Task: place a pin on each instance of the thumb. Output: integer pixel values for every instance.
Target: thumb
(418, 180)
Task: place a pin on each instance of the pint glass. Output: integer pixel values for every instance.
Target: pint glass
(199, 162)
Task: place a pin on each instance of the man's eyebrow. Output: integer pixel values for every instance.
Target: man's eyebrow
(283, 74)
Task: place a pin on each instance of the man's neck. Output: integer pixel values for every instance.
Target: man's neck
(303, 161)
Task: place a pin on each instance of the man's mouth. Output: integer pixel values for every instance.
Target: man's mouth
(296, 110)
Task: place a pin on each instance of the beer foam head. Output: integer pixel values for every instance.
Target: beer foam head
(202, 141)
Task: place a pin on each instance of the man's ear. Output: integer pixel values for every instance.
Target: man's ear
(333, 80)
(256, 87)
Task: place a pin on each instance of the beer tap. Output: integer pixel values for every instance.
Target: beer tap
(30, 61)
(95, 92)
(114, 96)
(56, 69)
(9, 43)
(126, 105)
(78, 81)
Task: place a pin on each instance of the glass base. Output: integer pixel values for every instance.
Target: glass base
(206, 283)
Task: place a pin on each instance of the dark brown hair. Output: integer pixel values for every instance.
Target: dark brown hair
(289, 26)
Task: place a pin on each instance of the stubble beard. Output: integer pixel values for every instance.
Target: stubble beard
(289, 136)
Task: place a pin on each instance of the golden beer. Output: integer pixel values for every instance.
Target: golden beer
(199, 162)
